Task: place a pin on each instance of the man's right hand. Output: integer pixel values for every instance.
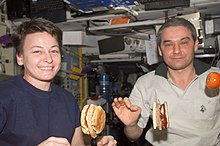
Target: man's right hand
(125, 111)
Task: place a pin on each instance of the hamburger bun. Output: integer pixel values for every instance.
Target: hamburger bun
(93, 120)
(160, 116)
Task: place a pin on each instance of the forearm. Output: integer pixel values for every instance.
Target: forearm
(133, 132)
(78, 138)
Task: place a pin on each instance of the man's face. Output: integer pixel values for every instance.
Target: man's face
(41, 57)
(177, 47)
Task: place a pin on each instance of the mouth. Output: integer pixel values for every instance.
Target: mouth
(177, 58)
(46, 68)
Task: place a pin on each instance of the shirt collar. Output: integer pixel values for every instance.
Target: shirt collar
(200, 68)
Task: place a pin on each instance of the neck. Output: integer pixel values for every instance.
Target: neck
(45, 86)
(181, 78)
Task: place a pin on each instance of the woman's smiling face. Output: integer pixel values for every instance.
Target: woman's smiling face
(41, 57)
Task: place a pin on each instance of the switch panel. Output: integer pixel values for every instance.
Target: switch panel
(8, 60)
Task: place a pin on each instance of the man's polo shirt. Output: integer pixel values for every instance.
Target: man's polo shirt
(194, 113)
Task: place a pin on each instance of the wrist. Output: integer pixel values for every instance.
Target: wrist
(131, 125)
(132, 132)
(129, 128)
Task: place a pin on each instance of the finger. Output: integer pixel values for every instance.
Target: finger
(107, 141)
(130, 105)
(116, 102)
(55, 141)
(121, 101)
(112, 143)
(60, 140)
(115, 143)
(113, 105)
(127, 102)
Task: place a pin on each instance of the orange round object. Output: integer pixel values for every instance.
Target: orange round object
(213, 80)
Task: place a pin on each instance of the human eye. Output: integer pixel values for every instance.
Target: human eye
(168, 44)
(184, 42)
(36, 51)
(55, 51)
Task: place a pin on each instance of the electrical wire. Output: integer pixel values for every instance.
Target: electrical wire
(216, 58)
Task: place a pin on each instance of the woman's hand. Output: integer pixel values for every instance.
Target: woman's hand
(55, 141)
(107, 141)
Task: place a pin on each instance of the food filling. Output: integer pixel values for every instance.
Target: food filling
(163, 116)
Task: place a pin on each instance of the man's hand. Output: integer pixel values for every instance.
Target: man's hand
(125, 111)
(107, 141)
(55, 141)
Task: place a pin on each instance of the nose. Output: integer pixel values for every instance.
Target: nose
(176, 48)
(48, 57)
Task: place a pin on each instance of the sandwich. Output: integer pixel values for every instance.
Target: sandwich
(92, 120)
(160, 115)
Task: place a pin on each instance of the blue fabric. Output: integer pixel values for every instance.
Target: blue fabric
(29, 115)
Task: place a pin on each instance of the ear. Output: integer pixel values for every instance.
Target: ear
(19, 58)
(159, 51)
(196, 45)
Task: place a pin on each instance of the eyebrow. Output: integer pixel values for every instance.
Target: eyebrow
(182, 39)
(185, 38)
(36, 46)
(54, 46)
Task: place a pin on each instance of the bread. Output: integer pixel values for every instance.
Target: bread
(93, 120)
(160, 116)
(84, 125)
